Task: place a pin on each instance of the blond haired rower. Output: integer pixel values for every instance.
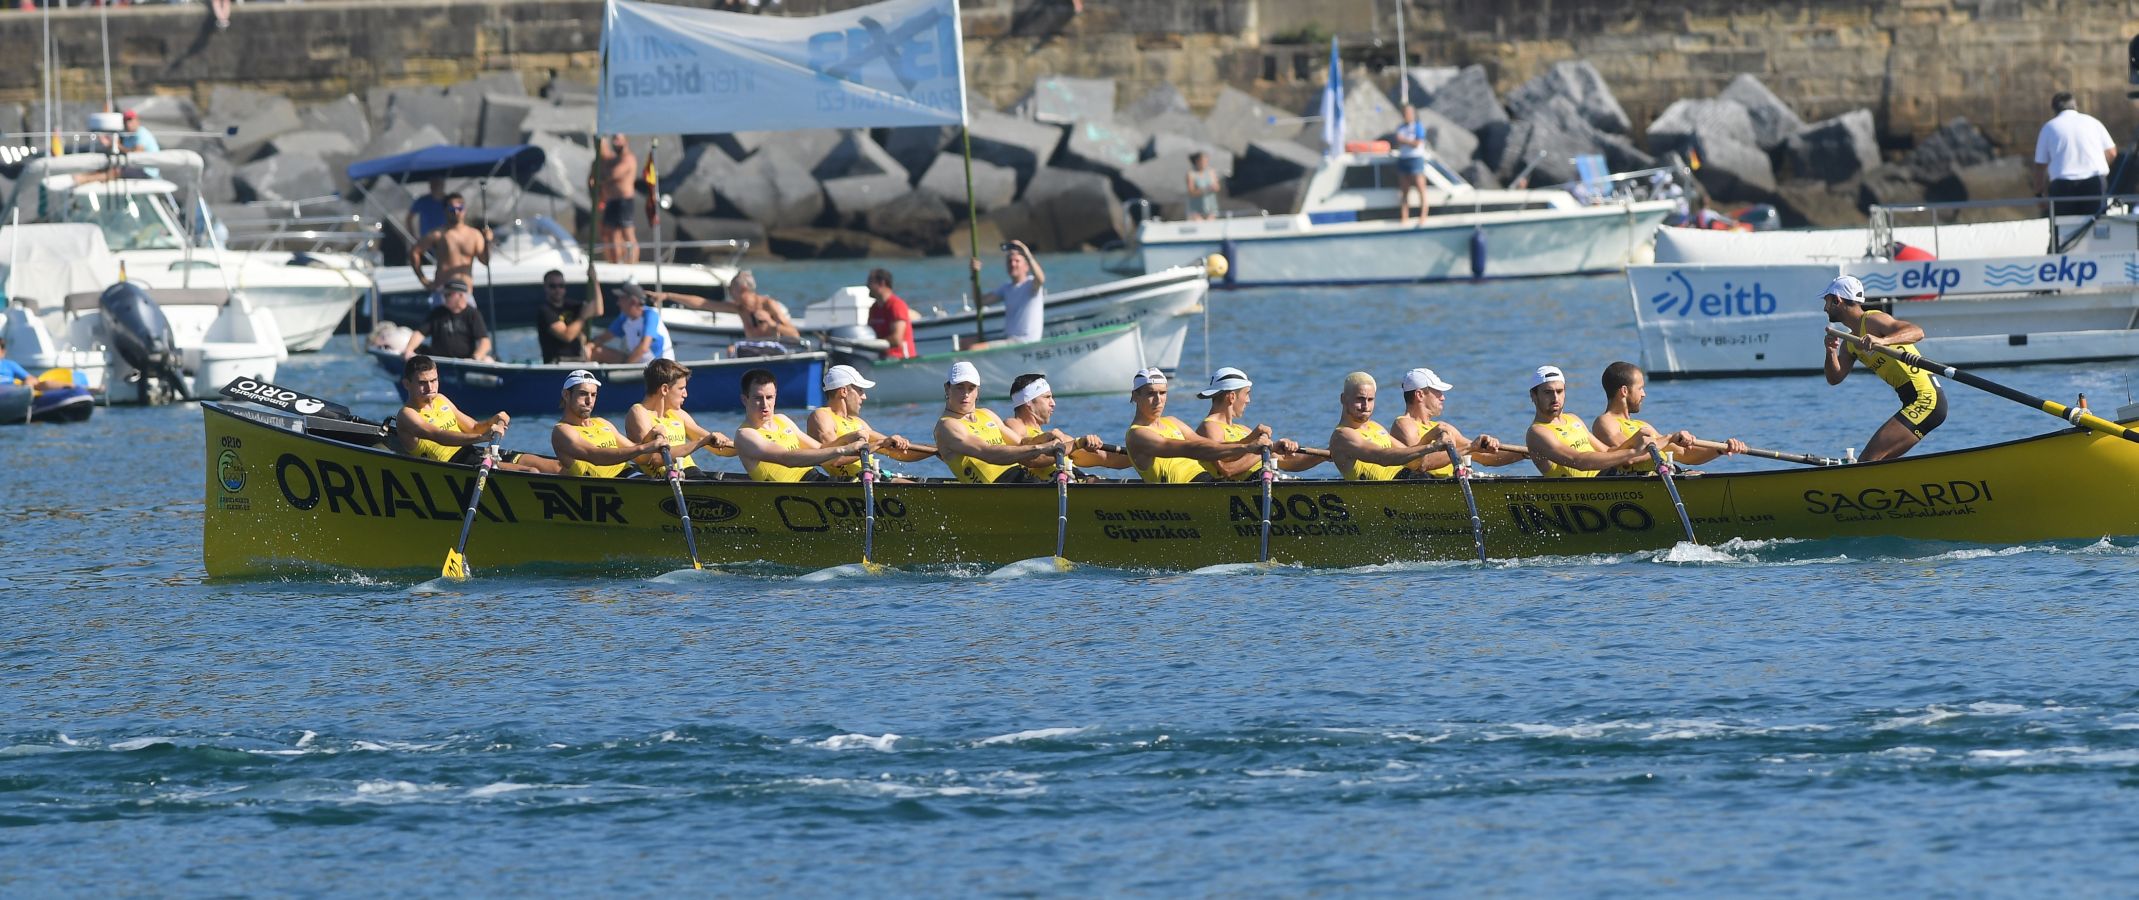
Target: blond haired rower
(429, 426)
(769, 444)
(1561, 446)
(1032, 406)
(1425, 396)
(840, 418)
(1625, 387)
(971, 439)
(1363, 450)
(661, 415)
(1165, 451)
(1228, 394)
(586, 444)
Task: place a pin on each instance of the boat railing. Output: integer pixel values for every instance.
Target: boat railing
(1637, 185)
(283, 225)
(665, 251)
(1882, 215)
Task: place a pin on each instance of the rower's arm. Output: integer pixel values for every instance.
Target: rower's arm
(410, 428)
(570, 444)
(690, 301)
(1228, 469)
(639, 423)
(750, 445)
(952, 437)
(1546, 449)
(1150, 444)
(1837, 365)
(1347, 442)
(1302, 461)
(1886, 331)
(913, 452)
(415, 340)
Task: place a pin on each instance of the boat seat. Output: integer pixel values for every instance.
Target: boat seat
(1595, 177)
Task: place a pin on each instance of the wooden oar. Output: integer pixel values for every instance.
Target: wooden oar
(683, 509)
(1663, 470)
(1318, 452)
(1806, 459)
(2075, 415)
(869, 510)
(1470, 501)
(1269, 474)
(456, 566)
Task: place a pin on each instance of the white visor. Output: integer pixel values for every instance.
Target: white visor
(963, 372)
(838, 377)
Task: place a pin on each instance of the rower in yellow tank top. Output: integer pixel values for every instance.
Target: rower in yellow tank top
(845, 425)
(1576, 436)
(1230, 393)
(1426, 426)
(600, 434)
(780, 432)
(1897, 374)
(1425, 397)
(970, 438)
(987, 429)
(1361, 449)
(1164, 451)
(1232, 433)
(1361, 470)
(841, 416)
(1559, 444)
(669, 426)
(1923, 403)
(1165, 469)
(587, 445)
(439, 412)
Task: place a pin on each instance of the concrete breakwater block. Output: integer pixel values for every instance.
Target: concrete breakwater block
(571, 119)
(1018, 144)
(856, 153)
(257, 116)
(283, 176)
(1811, 203)
(1062, 100)
(913, 219)
(692, 185)
(1732, 170)
(1103, 146)
(774, 191)
(1369, 115)
(564, 171)
(1162, 100)
(1890, 184)
(1465, 96)
(1717, 119)
(852, 196)
(1834, 150)
(915, 147)
(1164, 145)
(1578, 82)
(1773, 120)
(403, 139)
(1178, 124)
(345, 115)
(1163, 180)
(1238, 120)
(708, 228)
(1269, 162)
(453, 115)
(994, 187)
(1064, 210)
(831, 243)
(503, 118)
(1956, 145)
(1546, 144)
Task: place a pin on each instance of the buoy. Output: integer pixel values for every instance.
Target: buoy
(1477, 251)
(1215, 265)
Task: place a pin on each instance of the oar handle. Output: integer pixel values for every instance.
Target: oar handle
(1800, 458)
(2074, 415)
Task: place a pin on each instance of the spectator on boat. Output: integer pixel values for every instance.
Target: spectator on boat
(428, 212)
(619, 184)
(1425, 397)
(561, 325)
(1561, 446)
(890, 317)
(2072, 156)
(1024, 296)
(1411, 165)
(840, 418)
(765, 320)
(586, 444)
(661, 415)
(639, 333)
(1626, 386)
(1202, 187)
(454, 329)
(12, 372)
(429, 426)
(1923, 402)
(769, 444)
(457, 245)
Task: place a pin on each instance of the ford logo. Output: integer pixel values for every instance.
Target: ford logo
(704, 509)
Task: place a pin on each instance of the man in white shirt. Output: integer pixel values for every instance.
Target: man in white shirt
(2072, 157)
(1024, 296)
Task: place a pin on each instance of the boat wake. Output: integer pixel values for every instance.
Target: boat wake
(1038, 566)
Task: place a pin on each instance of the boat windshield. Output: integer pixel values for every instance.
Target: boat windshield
(129, 221)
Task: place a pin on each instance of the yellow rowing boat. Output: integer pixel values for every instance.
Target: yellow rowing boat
(284, 497)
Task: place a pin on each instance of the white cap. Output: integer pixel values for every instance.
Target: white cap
(1846, 287)
(579, 377)
(963, 372)
(1418, 379)
(1225, 379)
(1033, 390)
(1152, 375)
(838, 377)
(1546, 375)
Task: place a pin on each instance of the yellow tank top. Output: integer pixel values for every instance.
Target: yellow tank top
(780, 431)
(986, 428)
(1629, 427)
(1357, 470)
(1576, 438)
(1890, 370)
(1166, 469)
(1233, 432)
(671, 428)
(845, 425)
(442, 416)
(1447, 469)
(601, 434)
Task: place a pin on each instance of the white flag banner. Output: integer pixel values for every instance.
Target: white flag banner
(670, 69)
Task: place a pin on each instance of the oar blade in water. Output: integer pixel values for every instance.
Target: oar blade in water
(863, 569)
(456, 567)
(1027, 568)
(689, 576)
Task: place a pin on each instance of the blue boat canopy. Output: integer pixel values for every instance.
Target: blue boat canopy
(519, 162)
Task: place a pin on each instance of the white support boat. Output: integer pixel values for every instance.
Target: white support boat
(1098, 361)
(167, 240)
(1347, 232)
(1749, 303)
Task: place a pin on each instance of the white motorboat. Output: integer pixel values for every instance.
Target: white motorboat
(1347, 230)
(166, 238)
(68, 308)
(1719, 303)
(1099, 361)
(1164, 305)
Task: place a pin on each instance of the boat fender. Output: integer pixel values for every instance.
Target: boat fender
(1231, 252)
(1912, 253)
(1477, 251)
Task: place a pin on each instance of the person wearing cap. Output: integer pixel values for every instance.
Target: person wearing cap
(1923, 402)
(840, 418)
(661, 415)
(638, 331)
(429, 426)
(1024, 296)
(1360, 448)
(1561, 446)
(1425, 396)
(1626, 386)
(1165, 451)
(1032, 407)
(453, 329)
(971, 439)
(457, 245)
(1228, 394)
(586, 444)
(772, 448)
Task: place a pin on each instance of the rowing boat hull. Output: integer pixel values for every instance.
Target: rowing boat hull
(280, 502)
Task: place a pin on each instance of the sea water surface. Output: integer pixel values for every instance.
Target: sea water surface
(1818, 717)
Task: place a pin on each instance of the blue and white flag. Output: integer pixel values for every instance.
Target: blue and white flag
(672, 69)
(1333, 107)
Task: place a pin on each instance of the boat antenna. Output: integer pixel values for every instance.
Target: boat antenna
(50, 90)
(104, 25)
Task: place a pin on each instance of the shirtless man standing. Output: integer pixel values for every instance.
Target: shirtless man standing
(764, 319)
(619, 187)
(458, 247)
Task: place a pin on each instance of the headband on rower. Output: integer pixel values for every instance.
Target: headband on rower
(1030, 392)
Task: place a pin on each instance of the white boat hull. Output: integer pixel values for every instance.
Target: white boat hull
(308, 302)
(1294, 250)
(1092, 362)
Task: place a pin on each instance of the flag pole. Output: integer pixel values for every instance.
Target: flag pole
(594, 169)
(965, 137)
(1403, 66)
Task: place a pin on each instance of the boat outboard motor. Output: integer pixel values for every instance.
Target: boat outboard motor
(142, 336)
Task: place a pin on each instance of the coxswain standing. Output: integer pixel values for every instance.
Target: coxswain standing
(1165, 451)
(1561, 446)
(1923, 403)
